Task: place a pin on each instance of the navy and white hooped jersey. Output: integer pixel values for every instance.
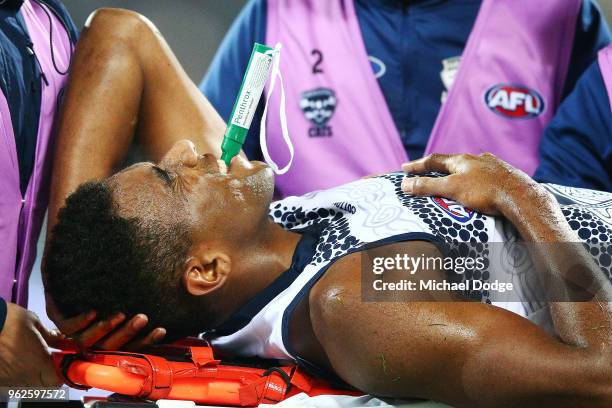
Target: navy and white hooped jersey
(373, 212)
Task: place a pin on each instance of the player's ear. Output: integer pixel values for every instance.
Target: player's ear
(205, 272)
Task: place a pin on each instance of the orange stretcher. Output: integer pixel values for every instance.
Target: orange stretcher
(189, 372)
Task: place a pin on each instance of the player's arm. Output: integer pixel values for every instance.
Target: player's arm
(490, 185)
(125, 83)
(471, 354)
(461, 353)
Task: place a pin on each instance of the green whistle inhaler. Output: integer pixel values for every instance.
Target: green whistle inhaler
(252, 87)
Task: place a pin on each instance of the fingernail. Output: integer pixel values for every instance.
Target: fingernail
(407, 185)
(159, 334)
(91, 315)
(118, 318)
(140, 322)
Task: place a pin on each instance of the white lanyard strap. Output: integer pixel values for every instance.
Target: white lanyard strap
(283, 115)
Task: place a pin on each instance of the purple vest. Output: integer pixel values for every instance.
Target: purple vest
(21, 216)
(507, 89)
(604, 58)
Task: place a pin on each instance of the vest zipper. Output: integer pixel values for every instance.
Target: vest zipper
(30, 50)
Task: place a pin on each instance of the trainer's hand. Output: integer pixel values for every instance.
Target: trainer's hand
(24, 357)
(483, 183)
(108, 334)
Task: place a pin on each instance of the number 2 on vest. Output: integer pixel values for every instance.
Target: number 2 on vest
(319, 60)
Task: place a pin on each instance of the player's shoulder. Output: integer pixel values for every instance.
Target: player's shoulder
(337, 291)
(338, 295)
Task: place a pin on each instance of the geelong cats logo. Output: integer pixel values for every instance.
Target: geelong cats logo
(514, 101)
(318, 106)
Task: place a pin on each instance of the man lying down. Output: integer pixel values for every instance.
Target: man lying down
(198, 247)
(201, 249)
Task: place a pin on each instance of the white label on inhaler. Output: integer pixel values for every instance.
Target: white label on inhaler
(252, 88)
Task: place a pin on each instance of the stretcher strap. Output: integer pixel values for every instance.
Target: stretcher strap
(280, 372)
(274, 386)
(64, 366)
(269, 389)
(160, 382)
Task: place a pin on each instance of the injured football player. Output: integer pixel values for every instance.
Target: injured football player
(202, 248)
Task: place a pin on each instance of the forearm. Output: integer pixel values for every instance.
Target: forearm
(584, 318)
(99, 113)
(464, 354)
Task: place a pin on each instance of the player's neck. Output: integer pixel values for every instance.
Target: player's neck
(263, 260)
(273, 252)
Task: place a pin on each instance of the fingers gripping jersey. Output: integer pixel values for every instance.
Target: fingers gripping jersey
(373, 212)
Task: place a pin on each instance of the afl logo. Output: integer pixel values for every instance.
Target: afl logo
(514, 101)
(454, 209)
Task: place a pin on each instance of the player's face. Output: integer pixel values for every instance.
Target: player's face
(185, 186)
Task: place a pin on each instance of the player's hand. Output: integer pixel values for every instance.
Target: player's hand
(112, 333)
(24, 357)
(483, 183)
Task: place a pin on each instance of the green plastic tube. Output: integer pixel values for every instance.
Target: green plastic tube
(255, 77)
